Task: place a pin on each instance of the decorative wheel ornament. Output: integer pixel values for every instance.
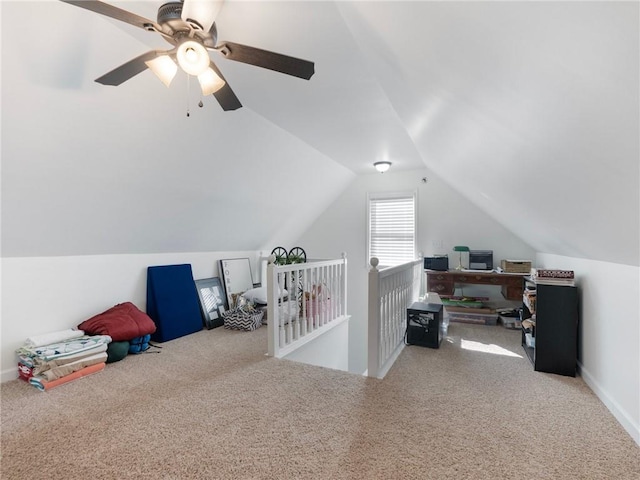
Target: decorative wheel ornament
(297, 255)
(281, 255)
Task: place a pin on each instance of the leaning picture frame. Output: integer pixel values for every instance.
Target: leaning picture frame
(237, 277)
(212, 301)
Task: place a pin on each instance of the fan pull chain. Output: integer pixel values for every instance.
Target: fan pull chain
(188, 93)
(200, 104)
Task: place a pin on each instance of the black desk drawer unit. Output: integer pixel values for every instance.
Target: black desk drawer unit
(424, 324)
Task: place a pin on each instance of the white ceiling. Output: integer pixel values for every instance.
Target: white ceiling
(530, 109)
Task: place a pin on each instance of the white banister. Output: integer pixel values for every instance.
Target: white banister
(374, 309)
(304, 301)
(391, 291)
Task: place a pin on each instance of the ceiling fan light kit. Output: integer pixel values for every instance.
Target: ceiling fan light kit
(189, 26)
(164, 68)
(210, 82)
(193, 57)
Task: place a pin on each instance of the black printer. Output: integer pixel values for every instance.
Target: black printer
(481, 259)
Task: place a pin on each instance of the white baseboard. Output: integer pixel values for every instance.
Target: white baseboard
(9, 374)
(390, 361)
(618, 412)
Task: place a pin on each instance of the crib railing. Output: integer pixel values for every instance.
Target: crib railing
(303, 301)
(391, 291)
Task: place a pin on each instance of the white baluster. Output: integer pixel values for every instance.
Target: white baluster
(299, 301)
(302, 317)
(288, 328)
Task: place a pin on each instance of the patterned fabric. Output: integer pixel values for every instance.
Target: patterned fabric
(64, 348)
(40, 365)
(69, 368)
(241, 319)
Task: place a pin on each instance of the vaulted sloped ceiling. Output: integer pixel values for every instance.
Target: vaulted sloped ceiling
(530, 109)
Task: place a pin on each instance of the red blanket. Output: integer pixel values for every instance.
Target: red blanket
(122, 322)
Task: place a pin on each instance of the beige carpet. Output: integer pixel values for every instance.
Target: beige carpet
(212, 406)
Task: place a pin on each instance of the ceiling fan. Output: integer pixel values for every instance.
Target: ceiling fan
(189, 25)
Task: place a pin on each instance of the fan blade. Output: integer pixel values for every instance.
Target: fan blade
(265, 59)
(209, 40)
(115, 12)
(202, 11)
(225, 96)
(130, 69)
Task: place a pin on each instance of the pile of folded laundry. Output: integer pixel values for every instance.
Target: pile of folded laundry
(52, 359)
(56, 358)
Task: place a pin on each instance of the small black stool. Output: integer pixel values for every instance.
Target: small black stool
(424, 324)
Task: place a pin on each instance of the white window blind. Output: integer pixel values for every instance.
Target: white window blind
(392, 229)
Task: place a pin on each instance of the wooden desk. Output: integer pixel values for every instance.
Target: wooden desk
(444, 283)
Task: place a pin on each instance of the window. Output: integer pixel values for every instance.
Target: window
(392, 228)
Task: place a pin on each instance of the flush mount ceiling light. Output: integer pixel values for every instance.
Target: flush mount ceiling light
(189, 26)
(382, 166)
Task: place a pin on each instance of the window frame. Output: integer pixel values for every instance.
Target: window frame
(376, 196)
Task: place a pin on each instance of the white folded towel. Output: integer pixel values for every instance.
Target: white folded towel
(53, 337)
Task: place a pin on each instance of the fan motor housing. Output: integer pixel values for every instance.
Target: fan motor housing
(170, 18)
(169, 11)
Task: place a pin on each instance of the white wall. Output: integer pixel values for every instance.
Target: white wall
(445, 219)
(609, 333)
(330, 350)
(46, 294)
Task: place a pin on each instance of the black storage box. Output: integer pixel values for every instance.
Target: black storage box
(440, 263)
(424, 324)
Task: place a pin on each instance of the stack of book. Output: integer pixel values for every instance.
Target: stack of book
(552, 276)
(529, 297)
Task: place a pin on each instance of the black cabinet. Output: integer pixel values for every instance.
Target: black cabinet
(424, 324)
(552, 342)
